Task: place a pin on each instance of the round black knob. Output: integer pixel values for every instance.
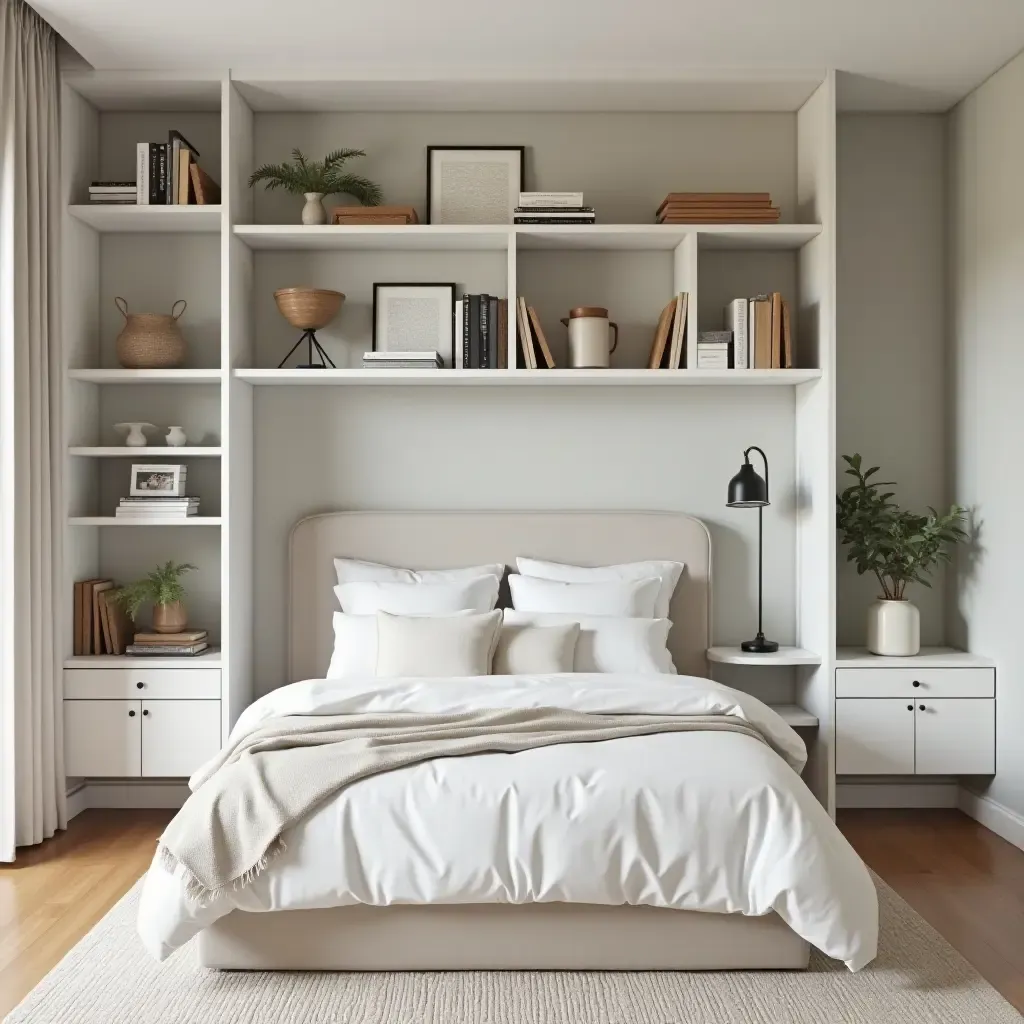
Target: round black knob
(131, 714)
(145, 714)
(922, 708)
(141, 685)
(915, 683)
(910, 707)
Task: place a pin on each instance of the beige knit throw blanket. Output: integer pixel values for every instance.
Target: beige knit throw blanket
(272, 777)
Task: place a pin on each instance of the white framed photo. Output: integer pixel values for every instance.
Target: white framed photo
(414, 318)
(157, 481)
(474, 184)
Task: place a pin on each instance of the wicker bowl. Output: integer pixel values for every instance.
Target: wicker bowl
(308, 309)
(150, 341)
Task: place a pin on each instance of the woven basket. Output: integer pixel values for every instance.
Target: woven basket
(308, 309)
(150, 341)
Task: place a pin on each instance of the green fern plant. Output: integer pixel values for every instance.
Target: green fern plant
(326, 176)
(162, 586)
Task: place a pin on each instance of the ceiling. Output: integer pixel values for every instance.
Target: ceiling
(898, 54)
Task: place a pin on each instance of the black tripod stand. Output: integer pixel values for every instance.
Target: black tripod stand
(309, 337)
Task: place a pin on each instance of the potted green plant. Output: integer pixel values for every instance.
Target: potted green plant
(899, 547)
(163, 589)
(314, 179)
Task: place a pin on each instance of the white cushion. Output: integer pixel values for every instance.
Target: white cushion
(631, 598)
(354, 570)
(668, 572)
(611, 644)
(355, 646)
(436, 645)
(443, 598)
(528, 649)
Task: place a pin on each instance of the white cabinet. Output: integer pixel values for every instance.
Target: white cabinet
(956, 737)
(178, 736)
(874, 737)
(102, 738)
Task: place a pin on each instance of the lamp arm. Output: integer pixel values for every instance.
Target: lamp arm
(764, 459)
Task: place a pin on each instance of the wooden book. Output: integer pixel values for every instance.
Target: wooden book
(121, 627)
(761, 322)
(713, 216)
(86, 621)
(188, 636)
(777, 357)
(676, 360)
(206, 189)
(103, 599)
(538, 333)
(374, 215)
(529, 355)
(718, 198)
(97, 622)
(661, 334)
(182, 177)
(787, 337)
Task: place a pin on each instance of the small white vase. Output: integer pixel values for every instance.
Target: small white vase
(894, 629)
(176, 437)
(134, 433)
(313, 212)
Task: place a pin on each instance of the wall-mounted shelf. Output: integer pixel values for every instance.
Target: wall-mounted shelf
(119, 376)
(208, 659)
(125, 521)
(128, 218)
(783, 656)
(150, 451)
(927, 657)
(387, 237)
(795, 716)
(529, 378)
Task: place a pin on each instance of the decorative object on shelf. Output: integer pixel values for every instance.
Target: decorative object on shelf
(592, 337)
(163, 589)
(118, 193)
(717, 208)
(374, 215)
(714, 350)
(748, 490)
(162, 644)
(150, 341)
(899, 547)
(402, 361)
(474, 184)
(414, 318)
(553, 208)
(669, 345)
(314, 179)
(176, 437)
(309, 309)
(481, 333)
(158, 481)
(100, 625)
(135, 436)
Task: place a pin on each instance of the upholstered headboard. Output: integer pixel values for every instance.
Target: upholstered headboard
(437, 540)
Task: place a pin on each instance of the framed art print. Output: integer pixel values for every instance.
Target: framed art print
(474, 184)
(414, 318)
(157, 481)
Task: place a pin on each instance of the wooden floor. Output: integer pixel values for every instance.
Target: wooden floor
(966, 881)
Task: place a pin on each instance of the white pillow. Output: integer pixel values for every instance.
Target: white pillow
(353, 570)
(668, 572)
(609, 644)
(477, 595)
(528, 649)
(631, 598)
(436, 646)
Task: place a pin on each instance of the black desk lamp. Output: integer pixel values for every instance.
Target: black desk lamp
(748, 490)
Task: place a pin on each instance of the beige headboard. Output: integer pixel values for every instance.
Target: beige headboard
(437, 540)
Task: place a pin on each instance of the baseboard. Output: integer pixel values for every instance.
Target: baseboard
(128, 795)
(880, 794)
(77, 801)
(993, 815)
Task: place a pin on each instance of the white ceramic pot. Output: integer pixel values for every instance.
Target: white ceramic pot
(894, 629)
(592, 337)
(176, 437)
(313, 212)
(135, 436)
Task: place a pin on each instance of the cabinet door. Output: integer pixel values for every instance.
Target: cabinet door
(956, 737)
(874, 737)
(178, 736)
(103, 738)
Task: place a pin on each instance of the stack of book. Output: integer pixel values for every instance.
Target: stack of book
(762, 332)
(714, 350)
(169, 645)
(717, 208)
(668, 350)
(532, 349)
(112, 192)
(101, 625)
(553, 208)
(168, 174)
(402, 361)
(157, 508)
(481, 333)
(374, 215)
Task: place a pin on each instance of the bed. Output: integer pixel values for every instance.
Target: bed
(670, 919)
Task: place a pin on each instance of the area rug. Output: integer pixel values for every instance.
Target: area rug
(918, 978)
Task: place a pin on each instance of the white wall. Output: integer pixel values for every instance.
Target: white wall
(891, 376)
(987, 362)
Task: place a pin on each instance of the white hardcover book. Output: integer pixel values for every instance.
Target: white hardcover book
(550, 199)
(712, 360)
(736, 321)
(142, 171)
(750, 334)
(457, 335)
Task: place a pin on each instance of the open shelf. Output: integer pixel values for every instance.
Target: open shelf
(394, 237)
(795, 716)
(116, 375)
(783, 656)
(126, 521)
(779, 237)
(128, 218)
(150, 451)
(528, 378)
(208, 659)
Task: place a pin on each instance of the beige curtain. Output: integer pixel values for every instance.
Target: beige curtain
(32, 796)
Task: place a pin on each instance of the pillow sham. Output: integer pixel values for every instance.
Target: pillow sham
(668, 573)
(441, 598)
(631, 598)
(611, 644)
(434, 645)
(354, 570)
(525, 648)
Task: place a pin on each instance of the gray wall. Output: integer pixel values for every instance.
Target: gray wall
(987, 359)
(891, 287)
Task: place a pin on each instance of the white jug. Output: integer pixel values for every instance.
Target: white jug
(592, 337)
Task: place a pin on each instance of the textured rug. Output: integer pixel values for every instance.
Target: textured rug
(918, 978)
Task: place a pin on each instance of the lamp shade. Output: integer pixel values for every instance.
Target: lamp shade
(747, 489)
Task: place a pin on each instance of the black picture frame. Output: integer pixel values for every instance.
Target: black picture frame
(447, 353)
(521, 150)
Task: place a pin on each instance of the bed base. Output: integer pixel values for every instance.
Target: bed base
(535, 936)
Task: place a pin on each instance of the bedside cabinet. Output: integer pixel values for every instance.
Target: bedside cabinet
(933, 714)
(123, 719)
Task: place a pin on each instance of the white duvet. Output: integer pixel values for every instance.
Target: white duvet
(695, 820)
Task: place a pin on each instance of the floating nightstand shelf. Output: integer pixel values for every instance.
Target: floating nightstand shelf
(783, 656)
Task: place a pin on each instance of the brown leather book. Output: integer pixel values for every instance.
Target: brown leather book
(522, 318)
(502, 334)
(691, 215)
(369, 214)
(661, 333)
(76, 619)
(762, 326)
(777, 356)
(206, 189)
(718, 198)
(101, 598)
(86, 619)
(538, 333)
(787, 337)
(188, 636)
(97, 622)
(121, 627)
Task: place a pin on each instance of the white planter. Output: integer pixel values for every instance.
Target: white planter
(894, 629)
(313, 212)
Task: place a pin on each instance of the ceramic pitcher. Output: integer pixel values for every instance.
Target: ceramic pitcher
(592, 337)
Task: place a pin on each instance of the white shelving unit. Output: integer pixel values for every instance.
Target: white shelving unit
(266, 452)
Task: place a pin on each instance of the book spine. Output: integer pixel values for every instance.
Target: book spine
(554, 220)
(467, 360)
(485, 332)
(142, 173)
(559, 199)
(457, 336)
(474, 332)
(165, 171)
(532, 210)
(492, 336)
(154, 173)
